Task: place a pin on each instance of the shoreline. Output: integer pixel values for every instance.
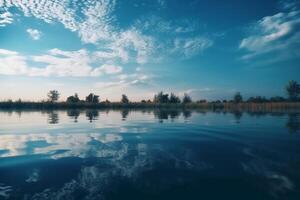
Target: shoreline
(244, 106)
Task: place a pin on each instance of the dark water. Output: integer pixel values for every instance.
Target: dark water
(149, 155)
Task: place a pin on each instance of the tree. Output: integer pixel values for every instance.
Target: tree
(92, 98)
(257, 99)
(174, 98)
(237, 98)
(277, 99)
(124, 99)
(293, 90)
(202, 101)
(186, 98)
(53, 95)
(161, 98)
(73, 99)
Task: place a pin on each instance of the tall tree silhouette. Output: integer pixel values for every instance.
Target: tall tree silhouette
(174, 98)
(73, 99)
(293, 90)
(237, 98)
(53, 95)
(92, 98)
(161, 98)
(124, 99)
(186, 98)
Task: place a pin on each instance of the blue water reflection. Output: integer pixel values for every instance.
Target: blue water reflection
(149, 154)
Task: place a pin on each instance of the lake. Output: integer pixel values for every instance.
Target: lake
(149, 154)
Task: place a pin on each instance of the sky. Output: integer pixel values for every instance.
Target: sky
(208, 49)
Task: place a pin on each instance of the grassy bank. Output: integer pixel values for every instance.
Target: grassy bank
(269, 106)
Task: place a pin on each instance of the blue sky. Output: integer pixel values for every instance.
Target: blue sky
(209, 49)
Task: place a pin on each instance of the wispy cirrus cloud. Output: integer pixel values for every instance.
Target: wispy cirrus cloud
(125, 80)
(189, 47)
(106, 69)
(184, 39)
(278, 34)
(157, 24)
(95, 23)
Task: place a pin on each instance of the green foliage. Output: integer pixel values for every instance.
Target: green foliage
(257, 99)
(124, 99)
(237, 98)
(92, 98)
(73, 99)
(161, 98)
(202, 101)
(293, 90)
(174, 98)
(277, 99)
(53, 95)
(186, 99)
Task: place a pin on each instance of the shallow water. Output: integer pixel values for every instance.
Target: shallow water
(93, 154)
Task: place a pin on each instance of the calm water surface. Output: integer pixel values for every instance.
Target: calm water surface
(92, 154)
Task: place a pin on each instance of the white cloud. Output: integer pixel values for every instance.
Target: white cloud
(110, 55)
(57, 63)
(34, 33)
(127, 46)
(278, 33)
(49, 11)
(157, 24)
(173, 38)
(63, 63)
(4, 52)
(106, 69)
(5, 18)
(133, 40)
(111, 69)
(90, 18)
(191, 46)
(125, 80)
(97, 26)
(196, 92)
(95, 23)
(11, 63)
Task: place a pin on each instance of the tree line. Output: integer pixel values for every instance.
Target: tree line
(292, 90)
(162, 98)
